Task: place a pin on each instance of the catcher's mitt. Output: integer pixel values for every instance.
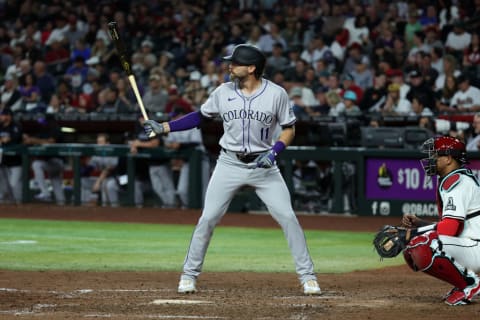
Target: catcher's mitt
(390, 241)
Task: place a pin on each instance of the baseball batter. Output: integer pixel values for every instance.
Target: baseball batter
(251, 108)
(449, 249)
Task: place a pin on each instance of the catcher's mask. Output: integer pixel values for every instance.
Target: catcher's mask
(442, 146)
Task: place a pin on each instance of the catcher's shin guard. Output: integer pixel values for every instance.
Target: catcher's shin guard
(424, 253)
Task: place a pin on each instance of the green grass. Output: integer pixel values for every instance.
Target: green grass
(61, 245)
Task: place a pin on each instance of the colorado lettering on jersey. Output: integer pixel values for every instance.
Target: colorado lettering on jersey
(242, 114)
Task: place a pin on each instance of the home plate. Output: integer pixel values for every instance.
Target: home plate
(179, 301)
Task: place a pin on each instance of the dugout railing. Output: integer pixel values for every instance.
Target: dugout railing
(386, 181)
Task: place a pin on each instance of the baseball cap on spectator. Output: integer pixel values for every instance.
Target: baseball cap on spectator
(295, 92)
(324, 73)
(93, 61)
(347, 76)
(195, 75)
(363, 60)
(350, 95)
(394, 73)
(393, 87)
(147, 43)
(172, 90)
(414, 74)
(322, 89)
(168, 54)
(462, 78)
(154, 76)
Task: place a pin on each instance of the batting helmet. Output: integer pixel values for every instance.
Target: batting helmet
(442, 146)
(247, 55)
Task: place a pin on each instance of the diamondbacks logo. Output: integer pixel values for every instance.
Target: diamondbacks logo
(384, 177)
(450, 206)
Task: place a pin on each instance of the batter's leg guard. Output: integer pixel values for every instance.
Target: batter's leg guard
(424, 253)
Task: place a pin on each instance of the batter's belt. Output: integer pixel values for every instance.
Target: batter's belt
(244, 157)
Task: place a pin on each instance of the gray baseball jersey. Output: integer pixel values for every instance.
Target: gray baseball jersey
(249, 123)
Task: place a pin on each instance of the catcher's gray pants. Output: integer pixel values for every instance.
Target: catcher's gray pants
(230, 175)
(54, 167)
(162, 184)
(11, 183)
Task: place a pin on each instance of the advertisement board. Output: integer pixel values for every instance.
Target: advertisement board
(399, 186)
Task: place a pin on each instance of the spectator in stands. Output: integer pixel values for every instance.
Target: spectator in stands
(413, 25)
(396, 76)
(30, 92)
(11, 97)
(113, 102)
(102, 51)
(418, 86)
(471, 56)
(349, 84)
(81, 49)
(125, 96)
(176, 100)
(382, 59)
(334, 101)
(181, 140)
(195, 94)
(210, 78)
(428, 72)
(448, 15)
(467, 98)
(156, 96)
(362, 75)
(299, 107)
(437, 59)
(57, 58)
(450, 67)
(76, 74)
(277, 61)
(296, 74)
(394, 104)
(10, 165)
(357, 29)
(48, 132)
(458, 40)
(350, 101)
(354, 54)
(420, 105)
(315, 50)
(418, 44)
(473, 141)
(95, 185)
(374, 96)
(44, 81)
(444, 97)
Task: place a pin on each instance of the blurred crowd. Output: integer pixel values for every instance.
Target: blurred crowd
(335, 58)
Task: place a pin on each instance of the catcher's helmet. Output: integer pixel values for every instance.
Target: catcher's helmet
(442, 146)
(246, 55)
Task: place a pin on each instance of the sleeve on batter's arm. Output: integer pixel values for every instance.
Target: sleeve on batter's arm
(189, 121)
(286, 116)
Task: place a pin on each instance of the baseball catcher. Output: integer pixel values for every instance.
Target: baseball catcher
(448, 250)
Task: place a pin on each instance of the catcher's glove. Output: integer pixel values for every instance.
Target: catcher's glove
(390, 241)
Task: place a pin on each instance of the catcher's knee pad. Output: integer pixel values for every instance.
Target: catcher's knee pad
(424, 253)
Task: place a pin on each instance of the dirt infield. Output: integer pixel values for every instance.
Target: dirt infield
(380, 294)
